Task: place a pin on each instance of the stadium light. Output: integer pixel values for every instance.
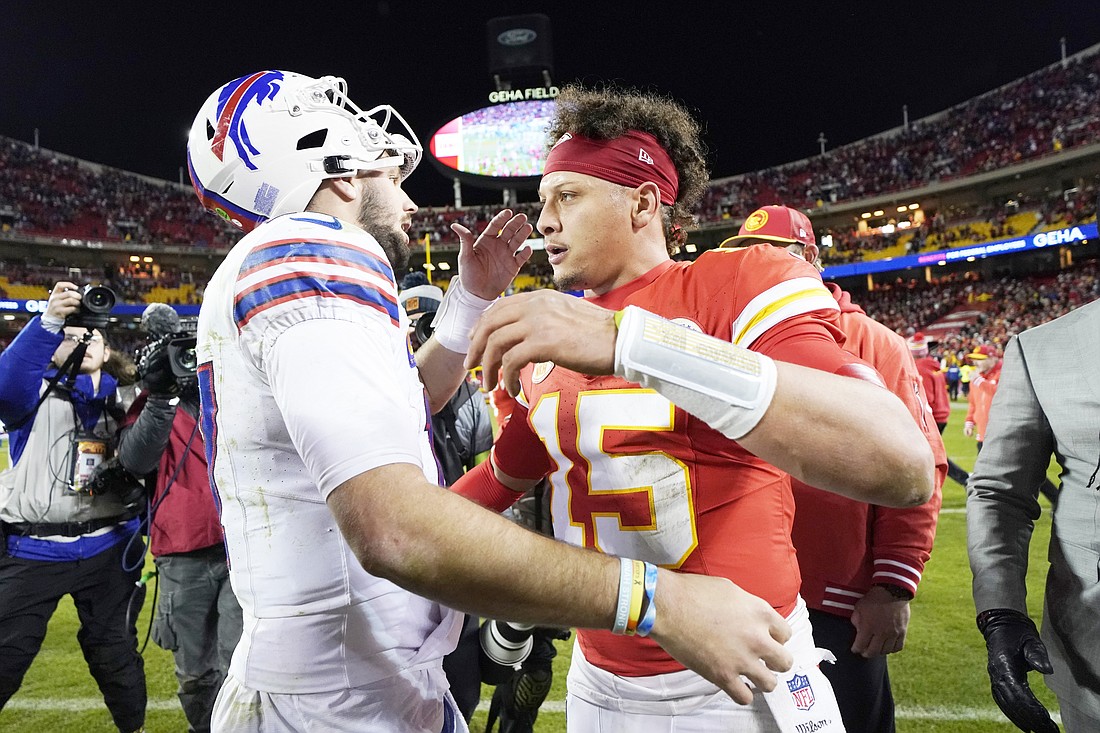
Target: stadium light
(146, 259)
(444, 265)
(429, 267)
(135, 258)
(902, 209)
(913, 207)
(879, 212)
(865, 215)
(690, 248)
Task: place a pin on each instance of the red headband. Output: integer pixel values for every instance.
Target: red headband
(629, 160)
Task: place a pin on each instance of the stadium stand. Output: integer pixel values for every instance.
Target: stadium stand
(1018, 160)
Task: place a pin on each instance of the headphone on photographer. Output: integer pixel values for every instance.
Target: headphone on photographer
(422, 301)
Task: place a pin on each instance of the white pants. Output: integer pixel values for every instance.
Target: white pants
(416, 701)
(683, 702)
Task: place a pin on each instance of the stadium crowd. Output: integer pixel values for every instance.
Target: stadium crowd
(1050, 110)
(1053, 109)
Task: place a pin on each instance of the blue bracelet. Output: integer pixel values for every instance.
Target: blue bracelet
(645, 625)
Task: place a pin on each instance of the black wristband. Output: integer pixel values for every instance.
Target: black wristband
(897, 591)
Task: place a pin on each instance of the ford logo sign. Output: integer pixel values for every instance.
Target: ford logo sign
(517, 37)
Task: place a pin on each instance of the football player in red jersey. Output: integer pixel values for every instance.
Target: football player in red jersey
(672, 441)
(858, 583)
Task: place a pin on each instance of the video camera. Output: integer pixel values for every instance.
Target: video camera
(169, 363)
(96, 302)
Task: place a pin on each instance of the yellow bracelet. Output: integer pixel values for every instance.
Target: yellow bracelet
(619, 315)
(637, 593)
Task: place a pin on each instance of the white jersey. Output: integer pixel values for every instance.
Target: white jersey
(306, 381)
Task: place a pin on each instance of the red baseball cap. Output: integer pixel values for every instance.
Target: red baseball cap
(776, 224)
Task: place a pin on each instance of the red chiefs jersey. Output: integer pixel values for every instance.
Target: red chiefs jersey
(633, 475)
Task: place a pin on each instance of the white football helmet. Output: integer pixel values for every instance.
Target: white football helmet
(261, 145)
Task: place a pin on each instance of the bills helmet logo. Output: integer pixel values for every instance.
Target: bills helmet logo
(756, 220)
(234, 99)
(801, 691)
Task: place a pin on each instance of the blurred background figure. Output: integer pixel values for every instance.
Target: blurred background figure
(197, 618)
(936, 390)
(983, 385)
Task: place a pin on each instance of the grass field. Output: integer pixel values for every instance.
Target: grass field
(939, 679)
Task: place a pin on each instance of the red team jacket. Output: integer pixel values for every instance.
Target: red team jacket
(980, 397)
(635, 476)
(846, 546)
(935, 388)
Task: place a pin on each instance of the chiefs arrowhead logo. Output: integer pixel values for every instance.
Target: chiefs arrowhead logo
(756, 220)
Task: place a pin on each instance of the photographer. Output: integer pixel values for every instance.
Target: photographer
(64, 532)
(198, 618)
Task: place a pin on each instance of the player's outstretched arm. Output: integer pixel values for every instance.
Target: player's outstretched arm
(794, 417)
(441, 546)
(487, 264)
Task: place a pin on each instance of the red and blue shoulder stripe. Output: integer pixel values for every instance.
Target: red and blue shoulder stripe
(286, 270)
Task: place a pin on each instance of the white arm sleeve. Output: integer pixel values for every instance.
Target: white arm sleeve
(346, 406)
(726, 386)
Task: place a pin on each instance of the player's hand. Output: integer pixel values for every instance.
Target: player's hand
(64, 300)
(489, 262)
(543, 325)
(881, 621)
(968, 429)
(1015, 649)
(722, 632)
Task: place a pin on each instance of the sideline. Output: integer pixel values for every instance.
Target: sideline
(940, 713)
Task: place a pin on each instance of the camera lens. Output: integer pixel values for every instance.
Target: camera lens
(188, 359)
(97, 299)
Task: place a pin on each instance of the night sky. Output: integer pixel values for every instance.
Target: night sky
(119, 83)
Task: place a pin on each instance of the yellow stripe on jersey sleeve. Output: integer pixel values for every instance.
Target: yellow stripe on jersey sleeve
(784, 300)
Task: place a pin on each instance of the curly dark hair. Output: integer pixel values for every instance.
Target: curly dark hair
(608, 112)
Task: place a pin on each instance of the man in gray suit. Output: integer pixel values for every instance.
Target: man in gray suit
(1048, 401)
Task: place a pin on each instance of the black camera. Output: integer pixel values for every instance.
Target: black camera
(423, 327)
(182, 358)
(96, 303)
(169, 364)
(111, 478)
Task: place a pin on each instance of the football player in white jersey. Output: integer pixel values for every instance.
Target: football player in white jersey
(342, 546)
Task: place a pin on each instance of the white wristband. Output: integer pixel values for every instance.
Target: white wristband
(51, 323)
(726, 386)
(457, 316)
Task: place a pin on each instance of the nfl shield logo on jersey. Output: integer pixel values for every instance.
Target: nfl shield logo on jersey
(801, 692)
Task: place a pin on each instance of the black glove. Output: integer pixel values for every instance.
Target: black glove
(1015, 649)
(156, 373)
